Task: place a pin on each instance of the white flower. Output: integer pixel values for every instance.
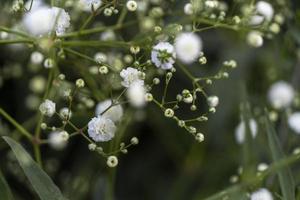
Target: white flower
(47, 108)
(86, 5)
(163, 55)
(65, 113)
(136, 95)
(213, 101)
(101, 129)
(188, 47)
(265, 9)
(255, 39)
(42, 20)
(188, 9)
(240, 131)
(115, 113)
(36, 58)
(281, 95)
(261, 194)
(294, 122)
(130, 75)
(131, 5)
(58, 140)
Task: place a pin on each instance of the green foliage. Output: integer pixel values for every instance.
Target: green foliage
(40, 181)
(5, 192)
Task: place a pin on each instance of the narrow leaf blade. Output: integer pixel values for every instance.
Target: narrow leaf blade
(5, 192)
(40, 181)
(286, 180)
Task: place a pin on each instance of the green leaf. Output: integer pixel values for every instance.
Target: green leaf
(286, 180)
(40, 181)
(5, 192)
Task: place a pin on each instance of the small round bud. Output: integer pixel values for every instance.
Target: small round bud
(64, 135)
(179, 97)
(80, 83)
(107, 12)
(193, 107)
(192, 129)
(148, 97)
(202, 60)
(208, 81)
(156, 81)
(48, 63)
(112, 161)
(169, 113)
(212, 110)
(181, 123)
(157, 29)
(135, 49)
(202, 119)
(134, 140)
(61, 77)
(212, 101)
(92, 146)
(188, 98)
(43, 126)
(199, 137)
(103, 70)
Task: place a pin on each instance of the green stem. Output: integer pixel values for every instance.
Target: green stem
(17, 41)
(16, 124)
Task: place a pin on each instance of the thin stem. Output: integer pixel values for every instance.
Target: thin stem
(16, 124)
(17, 41)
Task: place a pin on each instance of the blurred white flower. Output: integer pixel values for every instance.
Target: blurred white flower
(255, 39)
(58, 139)
(261, 194)
(115, 113)
(36, 58)
(213, 101)
(136, 95)
(101, 129)
(265, 9)
(294, 122)
(163, 55)
(65, 113)
(188, 47)
(86, 5)
(240, 131)
(47, 108)
(188, 9)
(131, 75)
(42, 20)
(281, 95)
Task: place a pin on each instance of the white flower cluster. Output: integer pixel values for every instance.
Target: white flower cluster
(101, 129)
(47, 108)
(187, 48)
(42, 20)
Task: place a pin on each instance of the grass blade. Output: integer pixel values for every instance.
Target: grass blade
(286, 180)
(5, 192)
(40, 181)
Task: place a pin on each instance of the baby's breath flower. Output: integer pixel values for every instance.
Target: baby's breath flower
(41, 21)
(134, 49)
(255, 39)
(103, 70)
(294, 122)
(65, 113)
(169, 112)
(213, 101)
(48, 63)
(262, 193)
(148, 97)
(86, 5)
(188, 98)
(281, 95)
(136, 95)
(188, 9)
(114, 113)
(47, 108)
(80, 83)
(101, 129)
(163, 55)
(199, 137)
(43, 126)
(36, 58)
(188, 47)
(112, 161)
(131, 75)
(134, 140)
(58, 140)
(240, 131)
(92, 146)
(131, 5)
